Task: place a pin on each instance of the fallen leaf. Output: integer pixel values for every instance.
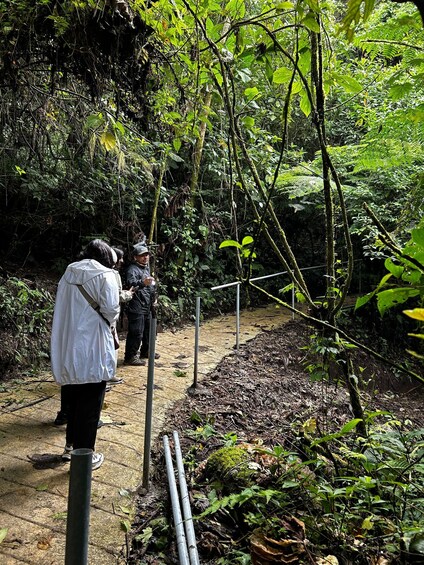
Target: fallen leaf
(3, 534)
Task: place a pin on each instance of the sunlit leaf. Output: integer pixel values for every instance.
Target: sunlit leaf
(247, 240)
(282, 75)
(418, 236)
(229, 243)
(363, 300)
(367, 524)
(399, 91)
(177, 144)
(388, 298)
(416, 314)
(311, 23)
(348, 83)
(108, 140)
(251, 93)
(305, 104)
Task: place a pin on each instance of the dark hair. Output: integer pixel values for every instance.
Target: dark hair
(100, 251)
(119, 252)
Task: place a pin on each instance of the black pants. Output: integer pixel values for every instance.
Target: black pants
(138, 335)
(84, 406)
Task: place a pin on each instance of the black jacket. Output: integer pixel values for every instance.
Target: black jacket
(144, 297)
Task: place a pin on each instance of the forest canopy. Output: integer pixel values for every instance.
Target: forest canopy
(191, 124)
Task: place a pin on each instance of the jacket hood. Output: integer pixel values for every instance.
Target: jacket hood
(83, 271)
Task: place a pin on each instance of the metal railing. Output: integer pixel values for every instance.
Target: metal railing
(237, 284)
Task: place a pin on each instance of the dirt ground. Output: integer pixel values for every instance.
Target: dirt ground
(259, 394)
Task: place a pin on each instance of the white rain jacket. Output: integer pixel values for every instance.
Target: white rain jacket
(82, 349)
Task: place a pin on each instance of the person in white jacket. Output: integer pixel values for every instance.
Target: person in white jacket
(82, 346)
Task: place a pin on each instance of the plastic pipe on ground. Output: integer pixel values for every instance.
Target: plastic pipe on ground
(185, 503)
(176, 509)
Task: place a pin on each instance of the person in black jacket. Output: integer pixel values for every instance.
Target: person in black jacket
(138, 309)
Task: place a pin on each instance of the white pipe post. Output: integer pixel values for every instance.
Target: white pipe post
(238, 317)
(149, 403)
(196, 342)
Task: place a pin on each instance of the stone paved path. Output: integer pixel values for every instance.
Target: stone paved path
(34, 481)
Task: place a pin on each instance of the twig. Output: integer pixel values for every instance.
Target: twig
(27, 405)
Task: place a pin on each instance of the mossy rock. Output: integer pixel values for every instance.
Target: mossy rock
(230, 466)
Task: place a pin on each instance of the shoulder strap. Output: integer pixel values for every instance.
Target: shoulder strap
(92, 302)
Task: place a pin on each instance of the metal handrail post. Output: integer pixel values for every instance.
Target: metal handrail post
(196, 342)
(238, 317)
(78, 520)
(185, 503)
(149, 403)
(176, 510)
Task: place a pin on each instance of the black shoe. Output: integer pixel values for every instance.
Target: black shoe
(157, 355)
(61, 419)
(136, 362)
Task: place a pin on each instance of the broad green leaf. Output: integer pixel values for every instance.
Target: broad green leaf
(3, 534)
(236, 8)
(418, 236)
(311, 23)
(313, 4)
(251, 93)
(229, 243)
(282, 75)
(364, 299)
(305, 104)
(412, 277)
(416, 314)
(176, 144)
(296, 87)
(247, 240)
(396, 270)
(388, 298)
(399, 91)
(249, 122)
(304, 62)
(212, 30)
(94, 121)
(108, 140)
(348, 83)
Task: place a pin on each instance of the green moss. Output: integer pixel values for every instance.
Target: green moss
(230, 466)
